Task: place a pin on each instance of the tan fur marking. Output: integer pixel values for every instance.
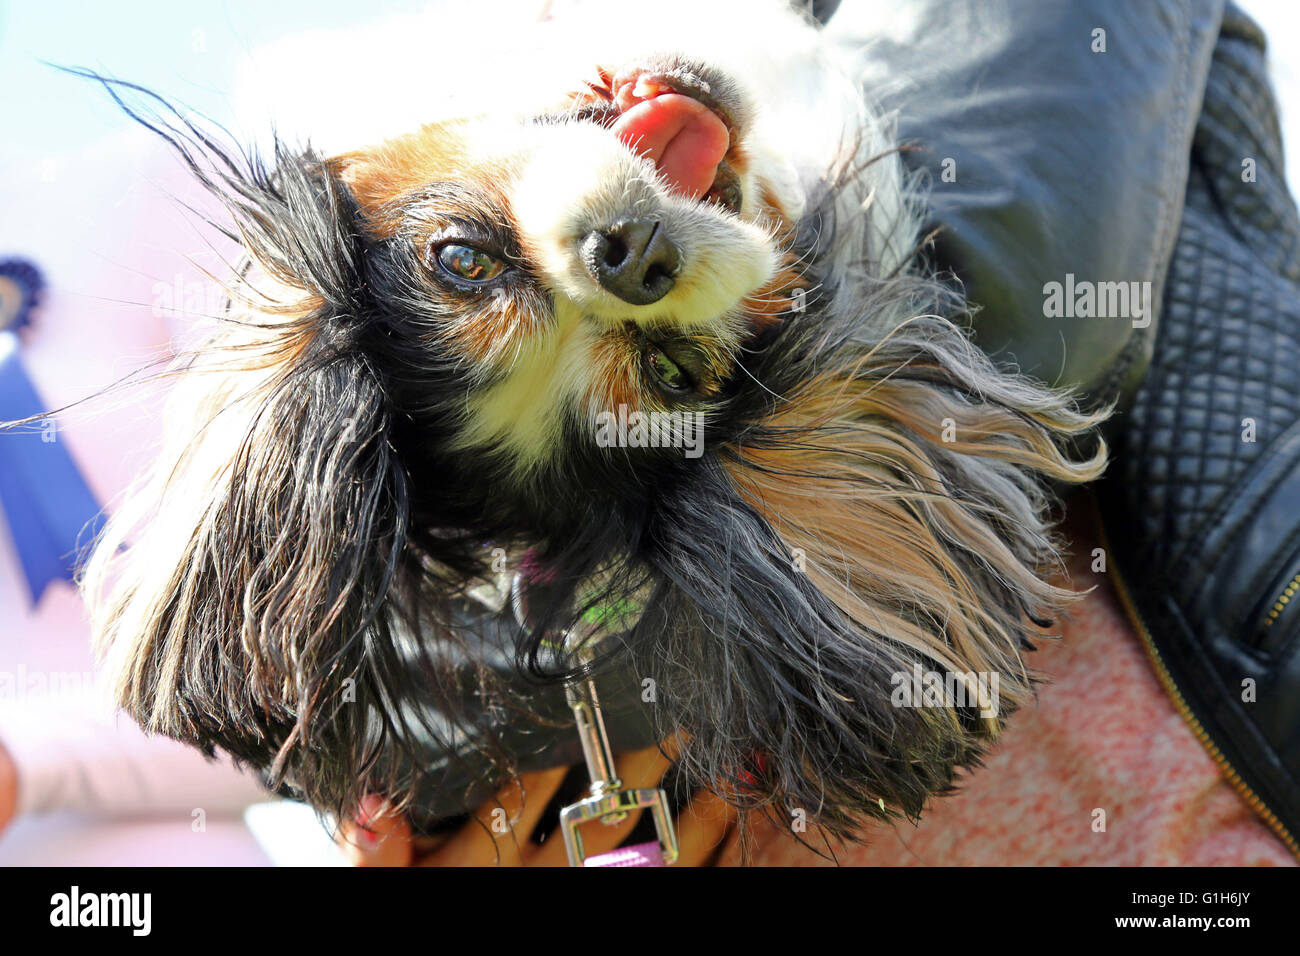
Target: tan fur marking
(867, 507)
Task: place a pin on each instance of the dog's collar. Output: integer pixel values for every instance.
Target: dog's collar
(604, 613)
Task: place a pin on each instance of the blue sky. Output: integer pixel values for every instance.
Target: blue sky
(191, 50)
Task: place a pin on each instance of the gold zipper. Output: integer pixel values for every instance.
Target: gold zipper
(1287, 594)
(1185, 711)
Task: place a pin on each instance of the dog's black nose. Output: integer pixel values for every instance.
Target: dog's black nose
(634, 259)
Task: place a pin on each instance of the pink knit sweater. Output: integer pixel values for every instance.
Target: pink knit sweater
(1102, 737)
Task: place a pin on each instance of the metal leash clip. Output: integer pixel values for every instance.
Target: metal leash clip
(607, 800)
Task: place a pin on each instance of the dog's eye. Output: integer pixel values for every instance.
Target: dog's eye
(467, 263)
(669, 374)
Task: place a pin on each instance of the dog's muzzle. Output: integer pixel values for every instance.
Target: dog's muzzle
(634, 259)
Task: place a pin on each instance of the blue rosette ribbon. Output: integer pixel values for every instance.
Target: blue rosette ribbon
(50, 512)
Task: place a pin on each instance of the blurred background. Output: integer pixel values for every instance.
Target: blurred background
(90, 198)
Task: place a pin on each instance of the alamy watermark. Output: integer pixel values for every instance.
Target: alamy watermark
(921, 688)
(1083, 299)
(181, 299)
(635, 429)
(25, 684)
(133, 911)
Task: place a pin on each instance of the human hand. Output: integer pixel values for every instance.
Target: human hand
(8, 788)
(385, 839)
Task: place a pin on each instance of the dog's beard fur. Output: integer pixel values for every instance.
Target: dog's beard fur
(281, 585)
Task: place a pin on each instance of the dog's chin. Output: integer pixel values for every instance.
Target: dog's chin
(699, 113)
(751, 181)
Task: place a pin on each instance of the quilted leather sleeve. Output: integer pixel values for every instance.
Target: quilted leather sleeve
(1203, 501)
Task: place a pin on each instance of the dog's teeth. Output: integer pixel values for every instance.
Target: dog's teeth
(646, 89)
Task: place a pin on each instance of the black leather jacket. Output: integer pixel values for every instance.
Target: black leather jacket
(1156, 161)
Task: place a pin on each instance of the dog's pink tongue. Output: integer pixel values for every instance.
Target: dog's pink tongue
(681, 136)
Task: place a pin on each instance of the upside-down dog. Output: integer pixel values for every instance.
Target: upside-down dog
(664, 329)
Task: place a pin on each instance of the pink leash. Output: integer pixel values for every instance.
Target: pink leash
(639, 854)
